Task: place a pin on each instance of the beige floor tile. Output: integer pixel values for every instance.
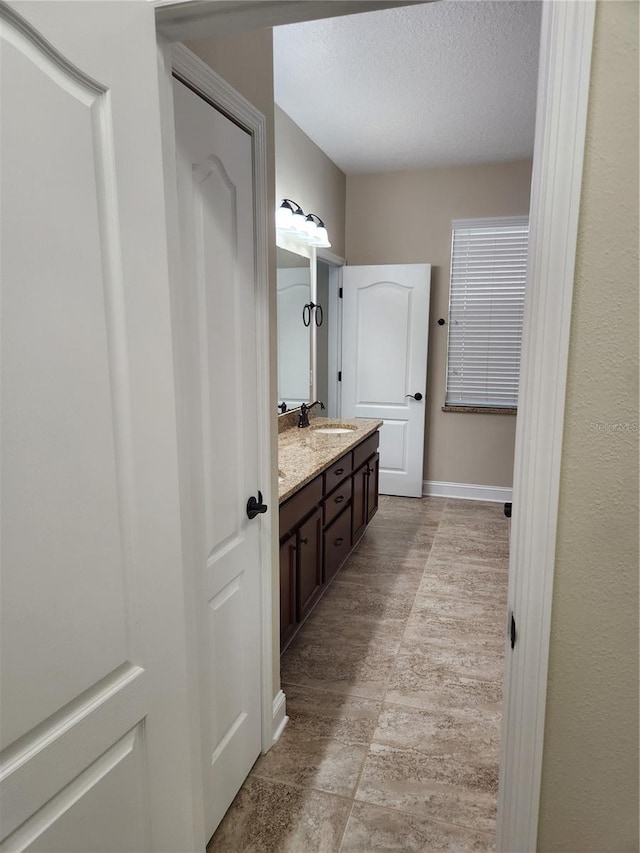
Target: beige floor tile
(467, 546)
(459, 734)
(325, 743)
(373, 829)
(269, 817)
(466, 582)
(462, 618)
(355, 668)
(430, 786)
(415, 683)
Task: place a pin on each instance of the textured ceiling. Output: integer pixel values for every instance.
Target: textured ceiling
(439, 84)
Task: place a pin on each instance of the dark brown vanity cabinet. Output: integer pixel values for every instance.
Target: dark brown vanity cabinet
(319, 526)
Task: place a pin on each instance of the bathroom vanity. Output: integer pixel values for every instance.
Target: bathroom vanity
(328, 488)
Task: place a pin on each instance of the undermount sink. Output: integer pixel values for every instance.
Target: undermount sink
(334, 430)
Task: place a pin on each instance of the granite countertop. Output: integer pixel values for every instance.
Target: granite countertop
(303, 453)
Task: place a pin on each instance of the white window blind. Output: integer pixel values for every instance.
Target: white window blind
(486, 307)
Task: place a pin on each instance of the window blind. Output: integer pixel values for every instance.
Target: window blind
(486, 308)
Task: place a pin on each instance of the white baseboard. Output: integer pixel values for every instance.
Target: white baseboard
(466, 491)
(280, 718)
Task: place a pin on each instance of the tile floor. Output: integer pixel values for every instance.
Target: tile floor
(393, 691)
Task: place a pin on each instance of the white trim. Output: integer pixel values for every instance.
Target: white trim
(200, 76)
(330, 258)
(563, 88)
(465, 491)
(334, 402)
(491, 222)
(280, 718)
(181, 20)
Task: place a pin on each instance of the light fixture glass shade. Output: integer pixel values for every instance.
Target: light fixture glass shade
(321, 238)
(284, 216)
(299, 221)
(310, 227)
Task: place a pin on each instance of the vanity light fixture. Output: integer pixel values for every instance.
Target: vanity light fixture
(291, 220)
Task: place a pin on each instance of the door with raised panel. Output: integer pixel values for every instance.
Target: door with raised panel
(217, 380)
(385, 330)
(93, 704)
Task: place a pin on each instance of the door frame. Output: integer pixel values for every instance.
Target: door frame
(179, 60)
(335, 264)
(563, 88)
(562, 100)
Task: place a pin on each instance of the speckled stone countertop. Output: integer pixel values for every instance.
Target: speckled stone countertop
(303, 453)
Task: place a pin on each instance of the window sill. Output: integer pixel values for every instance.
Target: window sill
(481, 410)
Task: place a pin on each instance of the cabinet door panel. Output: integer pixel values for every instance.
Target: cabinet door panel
(359, 503)
(373, 466)
(288, 554)
(337, 544)
(309, 563)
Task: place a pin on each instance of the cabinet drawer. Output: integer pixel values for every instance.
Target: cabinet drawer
(337, 544)
(337, 501)
(293, 511)
(363, 451)
(337, 472)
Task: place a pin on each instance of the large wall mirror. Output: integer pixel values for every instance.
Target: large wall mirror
(294, 340)
(307, 340)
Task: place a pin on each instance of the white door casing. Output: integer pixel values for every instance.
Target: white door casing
(385, 330)
(94, 713)
(219, 377)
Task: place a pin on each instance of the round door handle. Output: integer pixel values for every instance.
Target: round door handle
(417, 396)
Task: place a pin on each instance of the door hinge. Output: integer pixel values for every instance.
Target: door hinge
(339, 376)
(512, 630)
(340, 293)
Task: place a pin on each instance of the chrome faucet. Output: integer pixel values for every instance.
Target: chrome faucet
(303, 419)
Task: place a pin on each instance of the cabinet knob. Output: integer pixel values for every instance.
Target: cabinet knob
(339, 471)
(304, 541)
(339, 499)
(339, 541)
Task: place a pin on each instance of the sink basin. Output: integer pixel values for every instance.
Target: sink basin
(334, 430)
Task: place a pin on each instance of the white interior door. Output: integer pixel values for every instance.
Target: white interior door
(385, 329)
(94, 716)
(218, 389)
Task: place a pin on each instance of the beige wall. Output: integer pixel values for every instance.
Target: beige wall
(246, 62)
(589, 797)
(305, 174)
(405, 217)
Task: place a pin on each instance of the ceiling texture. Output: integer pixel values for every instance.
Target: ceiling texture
(443, 83)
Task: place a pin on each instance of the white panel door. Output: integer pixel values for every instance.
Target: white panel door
(218, 380)
(93, 710)
(294, 363)
(384, 364)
